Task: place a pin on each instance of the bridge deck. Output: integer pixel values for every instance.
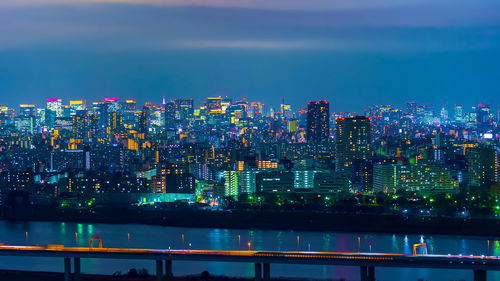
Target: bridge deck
(282, 257)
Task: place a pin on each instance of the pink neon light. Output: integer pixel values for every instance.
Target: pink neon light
(110, 99)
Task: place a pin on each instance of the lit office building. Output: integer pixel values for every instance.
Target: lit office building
(318, 121)
(76, 105)
(56, 106)
(353, 137)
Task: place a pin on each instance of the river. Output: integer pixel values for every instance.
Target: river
(150, 236)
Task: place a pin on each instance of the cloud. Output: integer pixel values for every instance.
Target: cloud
(146, 27)
(252, 44)
(310, 5)
(341, 44)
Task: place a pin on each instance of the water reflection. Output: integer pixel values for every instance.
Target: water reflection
(279, 241)
(406, 246)
(147, 236)
(326, 242)
(496, 250)
(63, 228)
(395, 244)
(430, 245)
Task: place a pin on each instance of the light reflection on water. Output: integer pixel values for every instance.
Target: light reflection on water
(147, 236)
(496, 250)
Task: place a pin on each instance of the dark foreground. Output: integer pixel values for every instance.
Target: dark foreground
(265, 219)
(14, 275)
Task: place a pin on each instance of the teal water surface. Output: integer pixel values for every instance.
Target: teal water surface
(160, 237)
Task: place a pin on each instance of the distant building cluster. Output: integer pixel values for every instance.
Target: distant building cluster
(114, 151)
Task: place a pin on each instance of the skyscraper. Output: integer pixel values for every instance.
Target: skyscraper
(129, 105)
(411, 107)
(143, 120)
(115, 122)
(318, 121)
(482, 165)
(185, 107)
(353, 137)
(459, 115)
(231, 183)
(56, 106)
(50, 118)
(80, 125)
(76, 105)
(214, 105)
(483, 113)
(27, 110)
(170, 109)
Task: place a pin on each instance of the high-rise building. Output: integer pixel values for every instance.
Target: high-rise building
(130, 114)
(318, 121)
(25, 123)
(482, 165)
(256, 109)
(383, 177)
(444, 114)
(143, 120)
(411, 107)
(363, 174)
(275, 182)
(80, 125)
(129, 105)
(353, 137)
(56, 106)
(292, 125)
(66, 111)
(27, 110)
(286, 110)
(170, 109)
(185, 107)
(225, 103)
(231, 183)
(109, 105)
(50, 118)
(26, 120)
(115, 122)
(419, 177)
(248, 183)
(76, 105)
(113, 104)
(428, 114)
(459, 114)
(304, 180)
(483, 113)
(214, 105)
(171, 178)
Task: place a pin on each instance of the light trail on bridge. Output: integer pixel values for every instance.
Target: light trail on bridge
(479, 263)
(254, 253)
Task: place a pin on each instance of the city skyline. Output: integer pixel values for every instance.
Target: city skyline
(275, 107)
(236, 151)
(250, 140)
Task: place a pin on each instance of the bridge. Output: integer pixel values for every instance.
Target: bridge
(261, 259)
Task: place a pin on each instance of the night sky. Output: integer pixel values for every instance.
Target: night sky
(352, 53)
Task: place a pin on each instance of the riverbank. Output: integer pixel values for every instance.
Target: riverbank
(277, 220)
